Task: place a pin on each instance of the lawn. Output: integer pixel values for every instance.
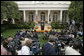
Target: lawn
(10, 32)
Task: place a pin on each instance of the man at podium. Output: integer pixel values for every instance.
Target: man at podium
(42, 25)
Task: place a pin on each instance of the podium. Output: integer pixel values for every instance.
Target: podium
(42, 26)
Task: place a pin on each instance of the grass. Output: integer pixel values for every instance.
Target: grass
(10, 32)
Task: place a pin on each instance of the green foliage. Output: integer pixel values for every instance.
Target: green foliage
(4, 27)
(17, 26)
(57, 25)
(53, 24)
(31, 24)
(9, 10)
(41, 39)
(76, 11)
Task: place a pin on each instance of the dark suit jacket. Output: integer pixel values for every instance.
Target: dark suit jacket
(48, 49)
(42, 23)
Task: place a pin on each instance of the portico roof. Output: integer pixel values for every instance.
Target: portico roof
(43, 5)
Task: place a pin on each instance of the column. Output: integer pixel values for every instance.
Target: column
(24, 15)
(36, 15)
(60, 15)
(67, 18)
(13, 21)
(1, 21)
(48, 15)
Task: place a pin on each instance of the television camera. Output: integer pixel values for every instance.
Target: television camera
(14, 45)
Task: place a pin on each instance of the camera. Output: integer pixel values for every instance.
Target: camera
(14, 45)
(35, 47)
(2, 38)
(59, 46)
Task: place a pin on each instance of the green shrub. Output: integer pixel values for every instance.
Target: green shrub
(28, 25)
(4, 27)
(31, 24)
(57, 25)
(17, 26)
(53, 24)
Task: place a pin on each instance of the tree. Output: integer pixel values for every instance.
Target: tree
(76, 11)
(9, 10)
(3, 10)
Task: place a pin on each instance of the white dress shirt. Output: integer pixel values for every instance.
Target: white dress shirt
(71, 51)
(24, 51)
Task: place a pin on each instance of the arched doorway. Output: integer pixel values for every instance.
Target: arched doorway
(55, 16)
(31, 16)
(42, 16)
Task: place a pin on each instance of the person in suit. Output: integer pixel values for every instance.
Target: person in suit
(42, 25)
(49, 48)
(35, 35)
(2, 38)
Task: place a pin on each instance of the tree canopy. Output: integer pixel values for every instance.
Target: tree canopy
(9, 9)
(76, 11)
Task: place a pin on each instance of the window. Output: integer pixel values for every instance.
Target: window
(55, 16)
(31, 16)
(64, 16)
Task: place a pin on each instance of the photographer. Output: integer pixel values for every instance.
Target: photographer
(49, 48)
(13, 45)
(58, 46)
(10, 38)
(45, 36)
(17, 35)
(35, 35)
(27, 34)
(35, 47)
(80, 33)
(4, 50)
(2, 38)
(25, 50)
(73, 50)
(81, 47)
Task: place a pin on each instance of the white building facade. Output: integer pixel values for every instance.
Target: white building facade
(44, 10)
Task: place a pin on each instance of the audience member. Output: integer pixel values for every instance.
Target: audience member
(73, 50)
(4, 50)
(26, 48)
(49, 48)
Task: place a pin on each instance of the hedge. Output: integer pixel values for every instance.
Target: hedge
(62, 25)
(17, 26)
(57, 25)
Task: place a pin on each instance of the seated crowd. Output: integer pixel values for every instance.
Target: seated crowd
(59, 43)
